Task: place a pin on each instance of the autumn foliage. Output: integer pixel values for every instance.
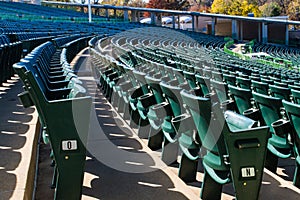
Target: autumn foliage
(167, 4)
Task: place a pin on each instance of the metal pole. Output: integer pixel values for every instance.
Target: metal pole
(193, 23)
(90, 11)
(286, 34)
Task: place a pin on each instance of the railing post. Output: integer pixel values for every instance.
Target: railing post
(197, 23)
(159, 23)
(264, 33)
(287, 34)
(90, 11)
(234, 34)
(115, 13)
(106, 13)
(259, 32)
(213, 26)
(178, 22)
(138, 16)
(133, 16)
(126, 15)
(193, 23)
(152, 18)
(241, 30)
(173, 21)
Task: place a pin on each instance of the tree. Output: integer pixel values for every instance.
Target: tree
(258, 2)
(294, 10)
(169, 4)
(235, 7)
(270, 9)
(136, 3)
(221, 6)
(284, 4)
(200, 5)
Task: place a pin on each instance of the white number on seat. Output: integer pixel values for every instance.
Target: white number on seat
(68, 145)
(248, 172)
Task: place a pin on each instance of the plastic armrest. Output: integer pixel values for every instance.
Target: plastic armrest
(282, 127)
(147, 100)
(161, 110)
(125, 86)
(214, 175)
(136, 92)
(58, 94)
(277, 153)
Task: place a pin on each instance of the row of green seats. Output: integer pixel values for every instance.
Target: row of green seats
(64, 109)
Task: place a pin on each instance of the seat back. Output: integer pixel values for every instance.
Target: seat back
(280, 92)
(204, 84)
(260, 87)
(172, 94)
(293, 112)
(154, 86)
(229, 79)
(296, 96)
(141, 81)
(244, 83)
(269, 107)
(217, 76)
(178, 73)
(190, 78)
(242, 98)
(221, 90)
(209, 129)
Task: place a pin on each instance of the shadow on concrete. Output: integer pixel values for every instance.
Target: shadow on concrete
(14, 125)
(109, 182)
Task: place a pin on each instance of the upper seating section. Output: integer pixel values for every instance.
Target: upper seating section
(25, 26)
(32, 10)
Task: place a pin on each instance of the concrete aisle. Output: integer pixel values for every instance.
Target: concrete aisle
(17, 143)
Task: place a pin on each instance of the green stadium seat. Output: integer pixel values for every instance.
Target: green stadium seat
(221, 90)
(244, 83)
(296, 96)
(293, 112)
(170, 147)
(278, 143)
(68, 148)
(260, 87)
(280, 92)
(229, 79)
(204, 84)
(224, 160)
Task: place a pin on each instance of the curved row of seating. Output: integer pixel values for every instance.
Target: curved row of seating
(162, 86)
(32, 11)
(52, 85)
(20, 36)
(289, 53)
(10, 53)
